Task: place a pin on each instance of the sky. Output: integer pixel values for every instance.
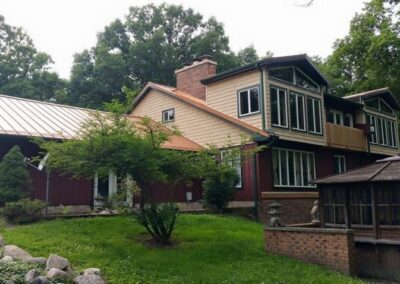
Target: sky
(62, 28)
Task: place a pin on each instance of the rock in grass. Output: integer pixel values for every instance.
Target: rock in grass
(40, 280)
(91, 271)
(16, 252)
(57, 273)
(32, 274)
(55, 261)
(89, 279)
(6, 259)
(37, 260)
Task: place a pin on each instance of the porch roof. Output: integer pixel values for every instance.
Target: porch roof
(381, 171)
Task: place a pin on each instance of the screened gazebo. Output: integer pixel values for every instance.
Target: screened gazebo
(365, 199)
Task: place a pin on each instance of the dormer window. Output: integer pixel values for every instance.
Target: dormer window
(249, 101)
(168, 115)
(294, 76)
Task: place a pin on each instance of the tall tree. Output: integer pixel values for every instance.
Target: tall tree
(369, 56)
(148, 45)
(24, 71)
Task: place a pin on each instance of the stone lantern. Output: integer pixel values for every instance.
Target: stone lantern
(275, 213)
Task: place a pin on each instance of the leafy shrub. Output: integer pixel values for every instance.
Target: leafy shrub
(159, 220)
(23, 211)
(219, 187)
(16, 271)
(14, 176)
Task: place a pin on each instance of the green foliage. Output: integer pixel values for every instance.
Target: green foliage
(23, 211)
(148, 45)
(14, 176)
(369, 56)
(209, 249)
(16, 271)
(159, 220)
(219, 186)
(24, 70)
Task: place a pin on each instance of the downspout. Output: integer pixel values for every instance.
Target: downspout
(262, 95)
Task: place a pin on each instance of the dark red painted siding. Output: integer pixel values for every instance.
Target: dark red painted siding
(163, 193)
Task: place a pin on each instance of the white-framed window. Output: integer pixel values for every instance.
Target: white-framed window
(279, 107)
(335, 117)
(295, 76)
(385, 133)
(235, 162)
(339, 164)
(379, 104)
(297, 112)
(292, 168)
(314, 115)
(249, 101)
(168, 115)
(348, 120)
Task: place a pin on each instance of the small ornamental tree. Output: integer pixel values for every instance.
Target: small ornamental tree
(15, 181)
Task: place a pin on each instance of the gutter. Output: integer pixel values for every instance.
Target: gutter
(262, 94)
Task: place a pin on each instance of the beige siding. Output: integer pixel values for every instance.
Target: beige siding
(195, 124)
(287, 133)
(222, 95)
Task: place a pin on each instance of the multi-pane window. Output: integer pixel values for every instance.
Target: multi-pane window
(294, 76)
(334, 205)
(314, 115)
(229, 157)
(297, 112)
(379, 104)
(348, 120)
(304, 81)
(335, 117)
(279, 107)
(168, 115)
(360, 205)
(293, 168)
(339, 164)
(385, 132)
(249, 101)
(389, 204)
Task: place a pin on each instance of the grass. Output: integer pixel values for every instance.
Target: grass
(209, 249)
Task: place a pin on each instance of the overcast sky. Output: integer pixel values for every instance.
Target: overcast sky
(64, 27)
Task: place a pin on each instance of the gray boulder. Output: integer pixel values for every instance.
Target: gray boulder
(9, 282)
(55, 261)
(57, 273)
(2, 241)
(37, 260)
(39, 280)
(91, 271)
(16, 252)
(32, 274)
(89, 279)
(6, 259)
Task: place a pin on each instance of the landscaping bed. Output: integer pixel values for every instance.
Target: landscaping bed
(206, 249)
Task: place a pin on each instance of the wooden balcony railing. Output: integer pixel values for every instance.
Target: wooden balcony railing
(345, 137)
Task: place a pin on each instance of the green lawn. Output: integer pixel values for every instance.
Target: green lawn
(210, 249)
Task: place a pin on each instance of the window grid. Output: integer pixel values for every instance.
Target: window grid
(250, 109)
(168, 115)
(315, 124)
(300, 119)
(385, 131)
(281, 119)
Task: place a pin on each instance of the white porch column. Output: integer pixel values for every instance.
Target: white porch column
(112, 183)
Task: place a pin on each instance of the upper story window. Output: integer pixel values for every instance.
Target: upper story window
(379, 104)
(297, 112)
(348, 120)
(293, 168)
(279, 107)
(335, 117)
(314, 115)
(339, 164)
(168, 115)
(385, 133)
(249, 101)
(294, 76)
(233, 161)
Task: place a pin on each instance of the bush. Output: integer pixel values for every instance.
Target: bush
(14, 177)
(219, 187)
(23, 211)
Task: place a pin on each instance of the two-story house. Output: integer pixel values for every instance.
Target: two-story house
(280, 102)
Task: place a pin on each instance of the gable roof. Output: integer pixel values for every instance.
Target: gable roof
(382, 170)
(301, 60)
(199, 104)
(30, 118)
(383, 92)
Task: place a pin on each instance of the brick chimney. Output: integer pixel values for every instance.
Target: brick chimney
(188, 78)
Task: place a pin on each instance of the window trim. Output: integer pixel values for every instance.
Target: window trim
(238, 167)
(339, 157)
(167, 110)
(248, 100)
(313, 114)
(380, 100)
(310, 186)
(297, 95)
(278, 109)
(294, 79)
(337, 112)
(351, 119)
(383, 121)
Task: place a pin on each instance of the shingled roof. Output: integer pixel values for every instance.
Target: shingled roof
(381, 171)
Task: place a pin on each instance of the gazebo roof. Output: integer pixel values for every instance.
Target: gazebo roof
(382, 170)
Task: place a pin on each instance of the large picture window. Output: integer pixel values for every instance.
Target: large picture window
(385, 133)
(293, 168)
(314, 115)
(297, 112)
(279, 107)
(249, 101)
(294, 76)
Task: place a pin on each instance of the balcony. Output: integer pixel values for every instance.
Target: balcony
(344, 137)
